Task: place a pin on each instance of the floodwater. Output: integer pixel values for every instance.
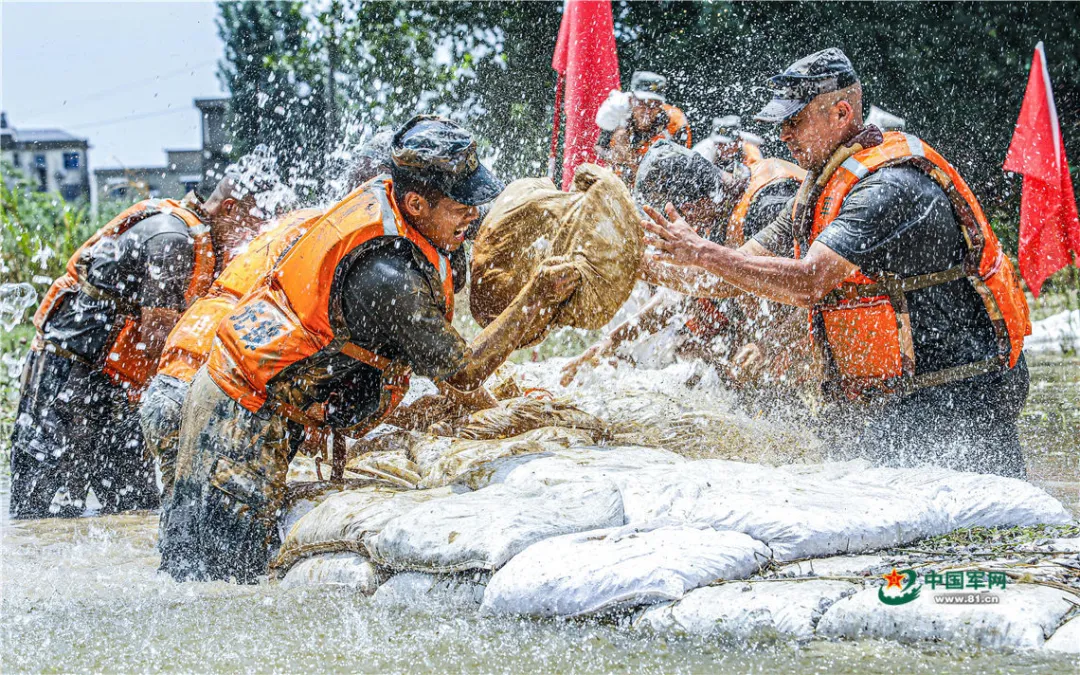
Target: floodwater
(84, 595)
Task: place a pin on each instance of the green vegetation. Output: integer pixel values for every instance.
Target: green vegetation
(40, 230)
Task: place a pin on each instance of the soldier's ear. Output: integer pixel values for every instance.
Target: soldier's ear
(415, 205)
(229, 206)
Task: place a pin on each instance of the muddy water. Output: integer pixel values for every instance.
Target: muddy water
(85, 596)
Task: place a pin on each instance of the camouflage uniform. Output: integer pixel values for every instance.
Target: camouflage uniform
(230, 484)
(159, 417)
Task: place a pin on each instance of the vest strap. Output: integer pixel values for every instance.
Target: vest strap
(891, 286)
(355, 351)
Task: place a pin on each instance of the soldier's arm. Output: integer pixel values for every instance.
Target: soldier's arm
(801, 282)
(533, 307)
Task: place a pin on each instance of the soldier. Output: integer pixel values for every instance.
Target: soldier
(100, 330)
(730, 147)
(631, 124)
(329, 336)
(917, 319)
(188, 345)
(737, 335)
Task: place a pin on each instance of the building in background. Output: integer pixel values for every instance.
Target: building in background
(54, 160)
(184, 170)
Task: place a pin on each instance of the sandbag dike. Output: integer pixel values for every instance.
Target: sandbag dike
(546, 525)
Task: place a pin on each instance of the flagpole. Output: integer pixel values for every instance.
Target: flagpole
(552, 158)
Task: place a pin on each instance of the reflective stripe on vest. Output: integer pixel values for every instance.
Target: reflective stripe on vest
(287, 317)
(124, 361)
(862, 329)
(189, 342)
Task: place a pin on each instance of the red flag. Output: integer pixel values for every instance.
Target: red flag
(1049, 227)
(588, 68)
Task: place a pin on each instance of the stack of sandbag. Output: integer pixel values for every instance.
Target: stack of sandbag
(596, 222)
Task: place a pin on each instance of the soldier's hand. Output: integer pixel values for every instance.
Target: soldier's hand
(671, 236)
(555, 281)
(590, 357)
(748, 362)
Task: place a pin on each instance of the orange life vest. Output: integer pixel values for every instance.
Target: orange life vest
(676, 121)
(189, 342)
(707, 320)
(862, 330)
(287, 316)
(752, 155)
(124, 362)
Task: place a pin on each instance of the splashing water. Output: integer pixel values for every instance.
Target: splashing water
(15, 299)
(256, 173)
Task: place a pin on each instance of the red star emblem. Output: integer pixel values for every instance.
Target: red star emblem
(894, 578)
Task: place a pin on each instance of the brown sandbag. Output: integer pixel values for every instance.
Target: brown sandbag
(516, 416)
(596, 222)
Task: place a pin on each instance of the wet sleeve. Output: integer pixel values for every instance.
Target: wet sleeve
(880, 209)
(768, 204)
(392, 306)
(168, 263)
(777, 235)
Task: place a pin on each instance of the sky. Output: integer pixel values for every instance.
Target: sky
(121, 74)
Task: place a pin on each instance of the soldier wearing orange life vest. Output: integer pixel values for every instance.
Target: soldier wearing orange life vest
(330, 335)
(632, 123)
(913, 305)
(188, 345)
(100, 329)
(737, 337)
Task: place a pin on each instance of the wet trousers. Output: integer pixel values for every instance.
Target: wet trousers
(220, 522)
(76, 431)
(159, 418)
(970, 425)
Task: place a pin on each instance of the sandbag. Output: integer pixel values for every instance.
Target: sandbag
(1024, 617)
(428, 591)
(747, 610)
(477, 464)
(596, 222)
(482, 530)
(344, 520)
(603, 570)
(1066, 638)
(516, 416)
(336, 569)
(392, 468)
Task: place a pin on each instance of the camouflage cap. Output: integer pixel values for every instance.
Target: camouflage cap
(442, 154)
(727, 126)
(820, 73)
(648, 86)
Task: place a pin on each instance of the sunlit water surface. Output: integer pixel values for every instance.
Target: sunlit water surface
(84, 595)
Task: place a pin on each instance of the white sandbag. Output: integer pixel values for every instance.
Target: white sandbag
(834, 566)
(783, 609)
(969, 499)
(428, 591)
(598, 571)
(1025, 616)
(1055, 334)
(484, 529)
(343, 520)
(1066, 638)
(338, 569)
(797, 516)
